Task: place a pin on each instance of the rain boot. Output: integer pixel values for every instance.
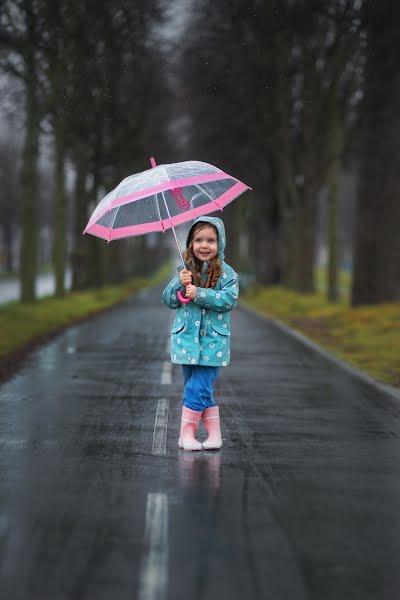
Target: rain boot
(189, 424)
(211, 423)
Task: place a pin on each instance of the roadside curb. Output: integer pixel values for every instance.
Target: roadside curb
(384, 388)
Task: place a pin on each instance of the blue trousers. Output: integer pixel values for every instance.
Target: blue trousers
(198, 392)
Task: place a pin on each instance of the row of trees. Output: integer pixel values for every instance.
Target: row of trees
(283, 94)
(87, 73)
(292, 92)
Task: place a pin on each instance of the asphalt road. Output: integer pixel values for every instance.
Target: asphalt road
(98, 503)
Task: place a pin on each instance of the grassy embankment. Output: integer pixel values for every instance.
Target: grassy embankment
(24, 325)
(368, 337)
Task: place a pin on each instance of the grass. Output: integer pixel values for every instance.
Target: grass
(368, 337)
(22, 325)
(344, 283)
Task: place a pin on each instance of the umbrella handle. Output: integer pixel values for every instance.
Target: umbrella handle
(182, 298)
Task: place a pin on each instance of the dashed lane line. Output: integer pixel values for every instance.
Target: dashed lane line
(153, 584)
(160, 428)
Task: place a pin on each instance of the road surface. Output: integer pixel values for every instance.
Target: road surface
(98, 503)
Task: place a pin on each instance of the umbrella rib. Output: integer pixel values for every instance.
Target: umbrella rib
(173, 229)
(113, 198)
(208, 195)
(158, 208)
(112, 224)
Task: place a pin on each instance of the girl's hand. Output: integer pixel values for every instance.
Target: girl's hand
(185, 276)
(191, 291)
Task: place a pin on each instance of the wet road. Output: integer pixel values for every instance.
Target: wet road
(97, 502)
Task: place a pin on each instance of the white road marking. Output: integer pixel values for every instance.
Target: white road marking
(160, 428)
(166, 375)
(153, 583)
(167, 346)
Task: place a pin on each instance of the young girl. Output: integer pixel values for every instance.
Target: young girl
(200, 335)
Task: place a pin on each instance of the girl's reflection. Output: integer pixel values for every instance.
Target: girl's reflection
(199, 472)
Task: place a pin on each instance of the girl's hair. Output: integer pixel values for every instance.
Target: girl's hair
(195, 265)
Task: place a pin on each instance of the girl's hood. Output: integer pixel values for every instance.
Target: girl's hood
(221, 233)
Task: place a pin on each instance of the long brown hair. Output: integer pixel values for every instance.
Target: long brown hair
(195, 265)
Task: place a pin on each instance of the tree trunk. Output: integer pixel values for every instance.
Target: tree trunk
(8, 238)
(59, 240)
(334, 149)
(79, 255)
(286, 193)
(97, 249)
(333, 271)
(136, 253)
(237, 248)
(264, 243)
(307, 164)
(376, 276)
(288, 239)
(304, 244)
(95, 260)
(29, 185)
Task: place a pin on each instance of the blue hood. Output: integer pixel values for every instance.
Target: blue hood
(221, 233)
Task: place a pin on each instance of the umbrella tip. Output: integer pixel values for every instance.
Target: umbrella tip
(153, 162)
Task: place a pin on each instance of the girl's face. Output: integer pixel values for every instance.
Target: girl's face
(205, 243)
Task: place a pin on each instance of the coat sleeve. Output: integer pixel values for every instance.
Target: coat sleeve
(222, 300)
(169, 296)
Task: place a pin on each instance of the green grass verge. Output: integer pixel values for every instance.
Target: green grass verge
(23, 324)
(367, 337)
(344, 283)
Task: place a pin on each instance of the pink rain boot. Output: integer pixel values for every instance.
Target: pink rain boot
(189, 424)
(211, 423)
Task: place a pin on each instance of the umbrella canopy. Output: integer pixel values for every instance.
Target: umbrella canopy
(162, 197)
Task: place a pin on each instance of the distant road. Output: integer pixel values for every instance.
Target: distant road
(9, 289)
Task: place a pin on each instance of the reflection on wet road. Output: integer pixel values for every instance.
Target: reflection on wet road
(97, 501)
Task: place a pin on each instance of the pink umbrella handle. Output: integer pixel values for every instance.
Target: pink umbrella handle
(182, 298)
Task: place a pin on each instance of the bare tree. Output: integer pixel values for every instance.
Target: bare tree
(377, 248)
(20, 24)
(10, 199)
(268, 88)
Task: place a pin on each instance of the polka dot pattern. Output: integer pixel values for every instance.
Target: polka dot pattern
(201, 331)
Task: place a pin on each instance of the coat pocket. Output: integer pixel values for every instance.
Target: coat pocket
(221, 330)
(177, 327)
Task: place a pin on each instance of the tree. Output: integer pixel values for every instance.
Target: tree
(20, 25)
(55, 67)
(98, 118)
(377, 246)
(274, 73)
(10, 198)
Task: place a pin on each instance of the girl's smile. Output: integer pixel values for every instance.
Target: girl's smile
(205, 244)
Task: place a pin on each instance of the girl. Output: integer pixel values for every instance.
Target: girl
(200, 335)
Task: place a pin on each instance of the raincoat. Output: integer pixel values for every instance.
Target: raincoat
(201, 333)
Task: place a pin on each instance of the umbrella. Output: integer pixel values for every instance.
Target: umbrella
(160, 198)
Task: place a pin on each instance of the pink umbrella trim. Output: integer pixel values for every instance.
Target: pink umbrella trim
(121, 232)
(161, 187)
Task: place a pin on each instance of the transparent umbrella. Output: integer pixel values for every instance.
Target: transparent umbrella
(162, 197)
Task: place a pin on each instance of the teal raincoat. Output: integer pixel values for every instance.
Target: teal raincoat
(201, 332)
